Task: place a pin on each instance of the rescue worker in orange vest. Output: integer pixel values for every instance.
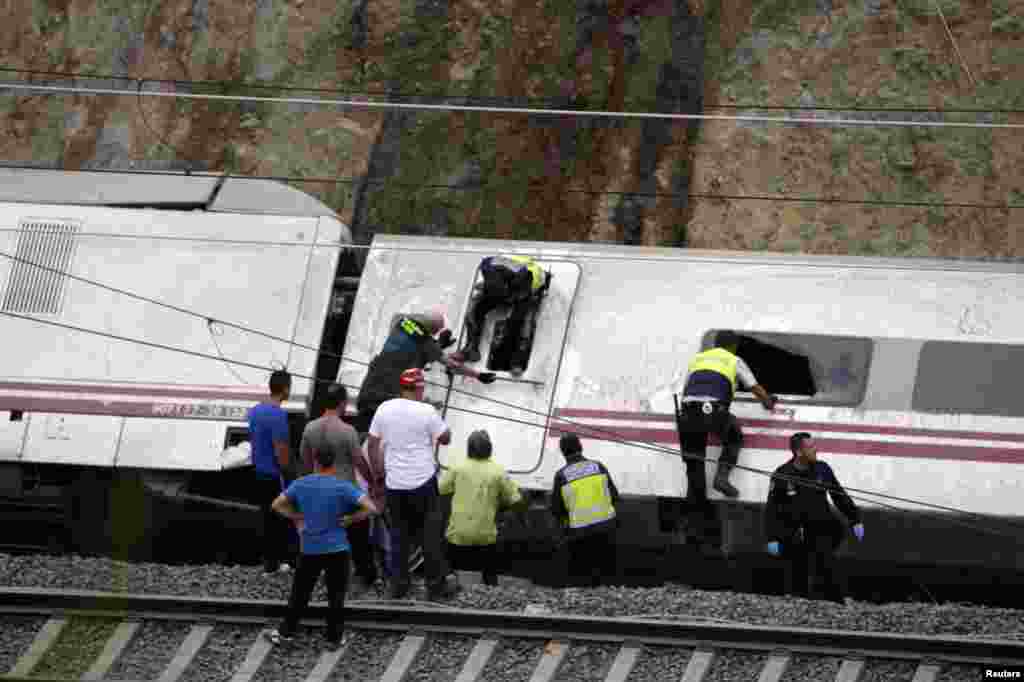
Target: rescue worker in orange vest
(707, 394)
(583, 500)
(508, 280)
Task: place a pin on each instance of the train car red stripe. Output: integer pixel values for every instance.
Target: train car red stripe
(826, 445)
(576, 413)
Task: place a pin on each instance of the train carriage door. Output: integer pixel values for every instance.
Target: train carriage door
(470, 405)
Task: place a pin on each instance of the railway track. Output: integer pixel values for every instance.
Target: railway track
(403, 634)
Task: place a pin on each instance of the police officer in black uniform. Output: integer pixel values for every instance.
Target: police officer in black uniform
(799, 522)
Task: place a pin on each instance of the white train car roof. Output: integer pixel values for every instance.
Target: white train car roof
(216, 193)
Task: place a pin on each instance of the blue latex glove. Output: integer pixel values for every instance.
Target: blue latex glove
(773, 548)
(858, 530)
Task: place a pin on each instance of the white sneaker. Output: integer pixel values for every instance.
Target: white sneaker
(285, 568)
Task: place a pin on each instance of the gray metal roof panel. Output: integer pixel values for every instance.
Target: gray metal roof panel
(90, 188)
(237, 195)
(624, 252)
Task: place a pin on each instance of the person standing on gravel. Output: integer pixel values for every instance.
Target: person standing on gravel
(268, 432)
(481, 487)
(321, 506)
(799, 522)
(406, 428)
(331, 433)
(583, 499)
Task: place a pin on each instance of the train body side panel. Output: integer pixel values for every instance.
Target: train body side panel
(283, 290)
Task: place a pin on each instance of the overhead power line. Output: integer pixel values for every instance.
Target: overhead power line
(66, 75)
(583, 113)
(607, 434)
(575, 190)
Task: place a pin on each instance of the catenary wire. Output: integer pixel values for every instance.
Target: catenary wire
(495, 188)
(584, 113)
(478, 98)
(795, 480)
(586, 429)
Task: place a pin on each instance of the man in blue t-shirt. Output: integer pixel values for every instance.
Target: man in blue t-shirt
(321, 504)
(268, 434)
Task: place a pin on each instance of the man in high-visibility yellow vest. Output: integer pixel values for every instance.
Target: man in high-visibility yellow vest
(583, 500)
(517, 281)
(708, 391)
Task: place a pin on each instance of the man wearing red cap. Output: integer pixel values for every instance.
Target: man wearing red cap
(406, 429)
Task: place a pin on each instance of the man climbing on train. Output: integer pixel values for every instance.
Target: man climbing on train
(516, 281)
(411, 345)
(709, 388)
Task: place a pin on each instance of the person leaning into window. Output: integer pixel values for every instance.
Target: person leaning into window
(321, 505)
(480, 488)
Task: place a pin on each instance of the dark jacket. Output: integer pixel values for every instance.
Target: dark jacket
(401, 351)
(799, 501)
(558, 509)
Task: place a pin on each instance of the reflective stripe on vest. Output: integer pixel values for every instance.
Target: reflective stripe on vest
(517, 263)
(588, 499)
(411, 328)
(716, 360)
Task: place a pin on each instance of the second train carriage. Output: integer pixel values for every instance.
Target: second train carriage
(905, 371)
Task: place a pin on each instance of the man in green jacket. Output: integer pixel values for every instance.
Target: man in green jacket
(481, 488)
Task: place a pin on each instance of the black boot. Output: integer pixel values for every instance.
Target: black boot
(722, 484)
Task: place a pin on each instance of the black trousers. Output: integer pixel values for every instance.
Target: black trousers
(694, 427)
(362, 552)
(307, 572)
(592, 558)
(810, 559)
(483, 558)
(276, 531)
(415, 517)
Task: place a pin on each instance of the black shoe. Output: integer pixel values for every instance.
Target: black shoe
(399, 591)
(723, 486)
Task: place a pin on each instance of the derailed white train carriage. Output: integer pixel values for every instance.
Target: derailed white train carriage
(83, 418)
(906, 371)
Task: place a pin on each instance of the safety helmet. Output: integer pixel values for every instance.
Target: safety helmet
(412, 378)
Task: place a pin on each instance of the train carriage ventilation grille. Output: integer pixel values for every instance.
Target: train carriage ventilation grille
(34, 290)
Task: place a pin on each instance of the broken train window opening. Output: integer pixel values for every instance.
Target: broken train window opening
(807, 368)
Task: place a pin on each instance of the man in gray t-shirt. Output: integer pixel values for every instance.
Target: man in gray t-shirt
(331, 433)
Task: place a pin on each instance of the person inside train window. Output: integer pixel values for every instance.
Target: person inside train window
(708, 391)
(410, 345)
(481, 488)
(516, 281)
(268, 429)
(331, 433)
(322, 506)
(583, 500)
(799, 522)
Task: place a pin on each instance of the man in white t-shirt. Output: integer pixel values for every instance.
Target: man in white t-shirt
(406, 429)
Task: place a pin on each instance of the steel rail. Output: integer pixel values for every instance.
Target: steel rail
(386, 616)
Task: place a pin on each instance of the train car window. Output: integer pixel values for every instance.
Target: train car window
(970, 378)
(812, 368)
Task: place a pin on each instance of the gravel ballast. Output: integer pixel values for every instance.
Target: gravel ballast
(149, 651)
(441, 658)
(366, 656)
(222, 653)
(667, 602)
(660, 663)
(16, 636)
